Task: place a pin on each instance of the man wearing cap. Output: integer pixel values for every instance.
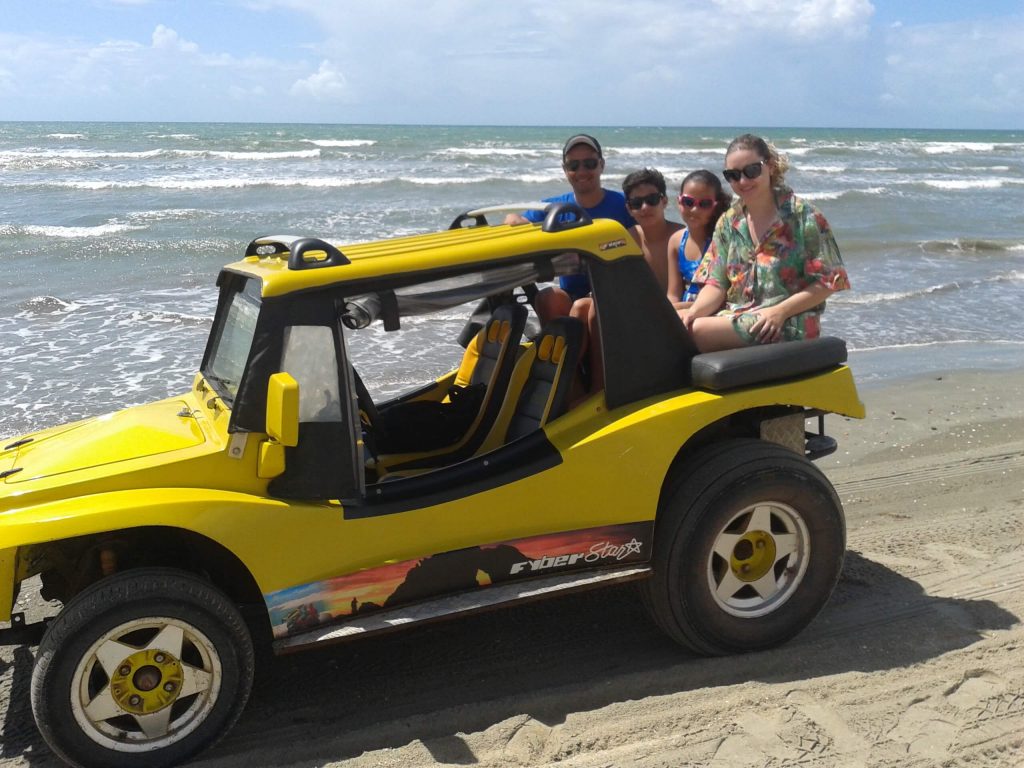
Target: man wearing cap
(582, 162)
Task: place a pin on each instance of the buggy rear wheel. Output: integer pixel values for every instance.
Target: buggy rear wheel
(748, 548)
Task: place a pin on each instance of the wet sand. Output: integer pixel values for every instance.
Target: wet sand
(917, 660)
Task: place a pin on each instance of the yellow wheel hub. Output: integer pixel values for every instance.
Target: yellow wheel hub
(147, 681)
(753, 555)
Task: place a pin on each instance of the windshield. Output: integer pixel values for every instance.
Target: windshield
(234, 338)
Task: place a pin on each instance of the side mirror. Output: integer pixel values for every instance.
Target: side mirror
(283, 409)
(282, 424)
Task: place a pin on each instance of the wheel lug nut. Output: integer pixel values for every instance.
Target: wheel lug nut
(159, 658)
(134, 700)
(169, 687)
(125, 670)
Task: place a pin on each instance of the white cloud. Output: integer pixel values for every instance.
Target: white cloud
(585, 61)
(755, 63)
(111, 50)
(804, 20)
(326, 84)
(166, 39)
(966, 72)
(165, 78)
(254, 93)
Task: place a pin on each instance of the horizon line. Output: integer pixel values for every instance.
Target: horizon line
(567, 126)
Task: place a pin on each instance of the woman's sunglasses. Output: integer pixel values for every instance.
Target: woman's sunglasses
(692, 202)
(590, 163)
(751, 171)
(636, 203)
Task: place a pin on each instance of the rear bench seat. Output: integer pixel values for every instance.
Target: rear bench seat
(732, 368)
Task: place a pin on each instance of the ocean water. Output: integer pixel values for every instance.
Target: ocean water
(113, 234)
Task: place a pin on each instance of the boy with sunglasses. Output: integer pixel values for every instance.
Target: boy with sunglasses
(646, 199)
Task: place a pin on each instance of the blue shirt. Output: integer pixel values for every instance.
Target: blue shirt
(612, 206)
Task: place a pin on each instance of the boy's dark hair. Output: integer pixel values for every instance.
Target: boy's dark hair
(643, 176)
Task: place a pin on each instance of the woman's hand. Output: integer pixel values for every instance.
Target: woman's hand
(687, 316)
(768, 327)
(708, 301)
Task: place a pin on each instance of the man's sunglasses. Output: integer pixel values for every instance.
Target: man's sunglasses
(590, 163)
(751, 171)
(691, 202)
(636, 203)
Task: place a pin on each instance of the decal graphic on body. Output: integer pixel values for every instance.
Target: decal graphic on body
(603, 551)
(611, 244)
(307, 606)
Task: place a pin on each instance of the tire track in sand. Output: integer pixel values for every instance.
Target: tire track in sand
(955, 468)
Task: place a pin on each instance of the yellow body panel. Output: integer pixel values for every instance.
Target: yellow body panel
(131, 458)
(612, 470)
(145, 430)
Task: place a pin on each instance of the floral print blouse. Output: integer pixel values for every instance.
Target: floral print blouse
(797, 251)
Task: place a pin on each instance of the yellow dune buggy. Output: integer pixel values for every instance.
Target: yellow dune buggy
(284, 501)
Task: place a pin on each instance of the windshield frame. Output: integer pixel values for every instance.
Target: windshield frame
(227, 356)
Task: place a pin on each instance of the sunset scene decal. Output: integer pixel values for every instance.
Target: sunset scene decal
(311, 605)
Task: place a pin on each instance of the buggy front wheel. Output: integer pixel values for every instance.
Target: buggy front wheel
(145, 668)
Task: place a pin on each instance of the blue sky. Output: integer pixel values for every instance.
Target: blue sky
(845, 63)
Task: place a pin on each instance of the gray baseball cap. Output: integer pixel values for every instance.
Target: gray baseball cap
(582, 138)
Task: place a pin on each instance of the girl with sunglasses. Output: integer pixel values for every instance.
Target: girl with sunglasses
(701, 202)
(773, 260)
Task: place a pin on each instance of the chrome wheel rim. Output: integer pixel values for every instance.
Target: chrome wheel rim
(145, 684)
(758, 559)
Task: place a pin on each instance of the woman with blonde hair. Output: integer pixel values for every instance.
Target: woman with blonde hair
(772, 262)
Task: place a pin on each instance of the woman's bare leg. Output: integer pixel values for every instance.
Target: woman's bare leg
(712, 334)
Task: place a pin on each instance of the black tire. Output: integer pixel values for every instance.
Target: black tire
(142, 669)
(748, 547)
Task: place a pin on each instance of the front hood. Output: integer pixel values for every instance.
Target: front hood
(145, 430)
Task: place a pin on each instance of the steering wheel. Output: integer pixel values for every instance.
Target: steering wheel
(368, 413)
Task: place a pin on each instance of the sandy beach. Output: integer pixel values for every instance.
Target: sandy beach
(917, 660)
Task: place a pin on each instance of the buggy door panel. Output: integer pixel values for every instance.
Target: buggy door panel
(327, 462)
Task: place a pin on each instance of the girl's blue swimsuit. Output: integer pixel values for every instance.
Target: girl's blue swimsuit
(688, 268)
